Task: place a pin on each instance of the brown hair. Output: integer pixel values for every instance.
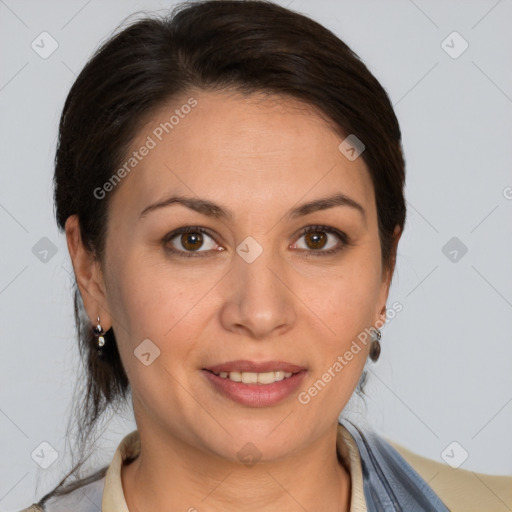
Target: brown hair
(249, 46)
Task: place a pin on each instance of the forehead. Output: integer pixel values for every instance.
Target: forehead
(243, 149)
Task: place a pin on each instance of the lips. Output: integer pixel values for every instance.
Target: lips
(255, 384)
(255, 367)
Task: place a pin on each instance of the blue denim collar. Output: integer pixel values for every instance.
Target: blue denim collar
(390, 484)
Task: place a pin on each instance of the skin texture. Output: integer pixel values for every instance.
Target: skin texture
(258, 156)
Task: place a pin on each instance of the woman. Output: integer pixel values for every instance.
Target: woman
(230, 182)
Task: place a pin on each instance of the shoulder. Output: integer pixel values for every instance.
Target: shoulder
(389, 482)
(86, 498)
(462, 490)
(395, 476)
(87, 494)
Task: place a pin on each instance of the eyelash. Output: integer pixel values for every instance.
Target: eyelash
(181, 231)
(344, 239)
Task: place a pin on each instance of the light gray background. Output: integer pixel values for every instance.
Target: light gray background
(445, 369)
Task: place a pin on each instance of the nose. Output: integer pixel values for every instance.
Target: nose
(258, 300)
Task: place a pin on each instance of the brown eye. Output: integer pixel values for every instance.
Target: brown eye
(315, 240)
(321, 240)
(191, 241)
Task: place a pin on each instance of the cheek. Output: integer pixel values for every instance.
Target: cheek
(149, 300)
(148, 311)
(345, 302)
(346, 310)
(345, 299)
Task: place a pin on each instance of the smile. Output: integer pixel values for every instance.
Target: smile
(255, 378)
(255, 384)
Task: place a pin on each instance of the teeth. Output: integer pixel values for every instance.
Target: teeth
(236, 376)
(249, 378)
(265, 378)
(279, 375)
(256, 378)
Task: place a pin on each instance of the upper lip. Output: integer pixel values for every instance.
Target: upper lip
(255, 367)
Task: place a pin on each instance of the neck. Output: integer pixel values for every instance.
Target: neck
(173, 476)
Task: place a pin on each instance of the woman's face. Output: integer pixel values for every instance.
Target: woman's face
(246, 289)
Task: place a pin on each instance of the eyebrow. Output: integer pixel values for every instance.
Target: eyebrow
(199, 205)
(212, 209)
(325, 203)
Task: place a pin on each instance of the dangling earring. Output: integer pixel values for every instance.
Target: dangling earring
(99, 333)
(375, 346)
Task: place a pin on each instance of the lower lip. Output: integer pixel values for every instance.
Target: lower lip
(256, 395)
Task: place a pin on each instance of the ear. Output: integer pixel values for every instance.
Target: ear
(387, 275)
(88, 275)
